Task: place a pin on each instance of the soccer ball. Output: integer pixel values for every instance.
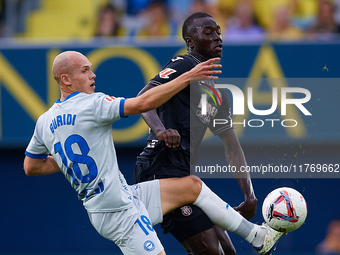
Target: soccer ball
(284, 209)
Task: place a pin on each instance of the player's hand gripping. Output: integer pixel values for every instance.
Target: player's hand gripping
(247, 208)
(204, 70)
(170, 136)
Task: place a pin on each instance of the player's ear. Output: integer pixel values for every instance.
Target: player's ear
(65, 79)
(189, 41)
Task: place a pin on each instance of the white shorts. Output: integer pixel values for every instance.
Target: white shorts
(132, 229)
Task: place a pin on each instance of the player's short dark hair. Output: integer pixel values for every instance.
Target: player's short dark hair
(188, 22)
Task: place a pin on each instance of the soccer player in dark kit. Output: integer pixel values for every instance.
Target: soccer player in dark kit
(172, 140)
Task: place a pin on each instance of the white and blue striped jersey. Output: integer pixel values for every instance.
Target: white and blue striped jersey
(77, 132)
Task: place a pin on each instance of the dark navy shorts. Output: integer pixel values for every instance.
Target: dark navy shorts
(182, 223)
(185, 222)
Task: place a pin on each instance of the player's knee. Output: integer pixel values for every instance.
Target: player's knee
(195, 185)
(197, 182)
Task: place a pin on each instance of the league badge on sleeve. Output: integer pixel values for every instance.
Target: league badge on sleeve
(166, 72)
(110, 98)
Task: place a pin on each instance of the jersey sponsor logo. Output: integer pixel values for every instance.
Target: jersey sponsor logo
(149, 245)
(166, 72)
(186, 210)
(110, 98)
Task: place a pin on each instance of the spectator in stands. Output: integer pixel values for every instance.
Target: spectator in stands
(2, 18)
(325, 27)
(192, 7)
(184, 8)
(282, 29)
(337, 11)
(136, 7)
(303, 13)
(331, 244)
(14, 15)
(158, 22)
(227, 8)
(178, 10)
(243, 26)
(211, 7)
(207, 6)
(108, 22)
(199, 6)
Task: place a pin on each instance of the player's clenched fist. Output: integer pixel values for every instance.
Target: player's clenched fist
(171, 137)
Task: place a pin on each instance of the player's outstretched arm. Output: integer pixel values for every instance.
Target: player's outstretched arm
(235, 157)
(171, 137)
(33, 166)
(157, 96)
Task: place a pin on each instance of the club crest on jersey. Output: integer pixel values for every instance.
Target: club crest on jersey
(186, 210)
(149, 245)
(166, 72)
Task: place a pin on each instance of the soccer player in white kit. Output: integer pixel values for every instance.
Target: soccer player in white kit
(75, 137)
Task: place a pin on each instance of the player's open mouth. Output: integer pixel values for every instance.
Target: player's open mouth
(92, 85)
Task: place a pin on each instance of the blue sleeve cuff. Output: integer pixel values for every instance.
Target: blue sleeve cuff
(121, 108)
(37, 156)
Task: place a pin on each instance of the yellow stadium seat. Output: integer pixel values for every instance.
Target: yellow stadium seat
(64, 19)
(264, 10)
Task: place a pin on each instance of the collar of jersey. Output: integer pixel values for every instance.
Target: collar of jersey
(68, 97)
(197, 57)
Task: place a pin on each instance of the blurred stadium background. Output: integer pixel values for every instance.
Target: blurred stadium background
(128, 42)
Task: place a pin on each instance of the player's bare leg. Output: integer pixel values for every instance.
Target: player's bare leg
(225, 241)
(204, 243)
(176, 192)
(212, 241)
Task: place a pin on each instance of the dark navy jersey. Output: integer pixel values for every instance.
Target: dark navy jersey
(183, 112)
